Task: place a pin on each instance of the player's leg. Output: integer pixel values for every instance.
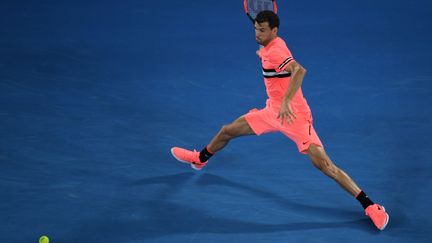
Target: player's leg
(239, 127)
(198, 160)
(322, 161)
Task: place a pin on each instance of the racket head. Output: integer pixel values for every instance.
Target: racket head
(253, 7)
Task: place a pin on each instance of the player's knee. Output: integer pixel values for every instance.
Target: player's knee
(316, 151)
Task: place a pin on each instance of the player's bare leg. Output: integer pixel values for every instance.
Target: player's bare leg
(321, 161)
(238, 128)
(198, 160)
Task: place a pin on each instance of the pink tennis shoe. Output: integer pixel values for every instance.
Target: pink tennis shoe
(378, 215)
(189, 157)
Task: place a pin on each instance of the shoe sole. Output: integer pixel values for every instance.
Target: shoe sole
(192, 165)
(388, 218)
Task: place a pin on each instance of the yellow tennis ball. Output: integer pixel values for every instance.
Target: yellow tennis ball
(44, 239)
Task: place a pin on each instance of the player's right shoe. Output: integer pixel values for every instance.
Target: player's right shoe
(189, 157)
(378, 215)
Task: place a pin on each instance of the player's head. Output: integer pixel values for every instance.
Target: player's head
(266, 27)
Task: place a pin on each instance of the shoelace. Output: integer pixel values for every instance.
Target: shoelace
(191, 155)
(379, 208)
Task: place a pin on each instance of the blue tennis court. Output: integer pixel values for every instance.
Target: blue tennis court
(94, 94)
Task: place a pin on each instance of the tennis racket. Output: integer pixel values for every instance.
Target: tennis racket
(253, 7)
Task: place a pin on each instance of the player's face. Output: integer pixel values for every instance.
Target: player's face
(263, 33)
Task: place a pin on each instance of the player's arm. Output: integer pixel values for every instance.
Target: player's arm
(297, 75)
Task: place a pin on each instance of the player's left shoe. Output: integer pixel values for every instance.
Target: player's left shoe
(378, 215)
(189, 157)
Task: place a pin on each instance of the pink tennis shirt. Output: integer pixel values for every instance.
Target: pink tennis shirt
(275, 57)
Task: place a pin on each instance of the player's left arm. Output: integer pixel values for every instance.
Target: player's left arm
(297, 75)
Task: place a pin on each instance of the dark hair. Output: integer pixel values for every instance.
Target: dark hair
(268, 16)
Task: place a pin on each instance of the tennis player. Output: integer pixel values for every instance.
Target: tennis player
(286, 111)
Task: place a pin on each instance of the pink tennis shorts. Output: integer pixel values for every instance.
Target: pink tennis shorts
(301, 131)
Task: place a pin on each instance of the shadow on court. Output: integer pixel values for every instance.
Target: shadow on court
(165, 216)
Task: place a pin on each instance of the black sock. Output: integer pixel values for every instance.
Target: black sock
(205, 155)
(364, 200)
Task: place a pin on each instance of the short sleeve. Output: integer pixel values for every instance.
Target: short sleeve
(280, 57)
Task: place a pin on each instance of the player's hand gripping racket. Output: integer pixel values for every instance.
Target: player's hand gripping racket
(253, 7)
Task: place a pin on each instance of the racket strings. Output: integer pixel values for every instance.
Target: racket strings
(253, 7)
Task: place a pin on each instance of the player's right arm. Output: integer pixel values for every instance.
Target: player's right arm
(298, 73)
